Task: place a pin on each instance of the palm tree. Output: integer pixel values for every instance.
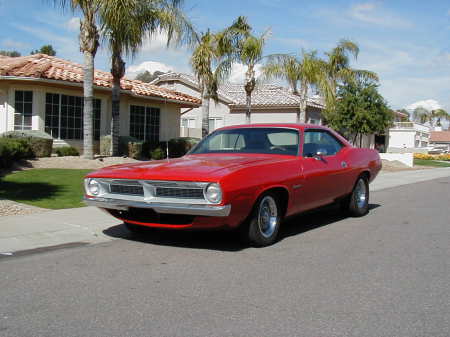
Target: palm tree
(125, 25)
(337, 70)
(435, 116)
(210, 68)
(247, 49)
(304, 71)
(89, 42)
(440, 114)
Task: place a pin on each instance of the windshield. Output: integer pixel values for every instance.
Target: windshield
(250, 140)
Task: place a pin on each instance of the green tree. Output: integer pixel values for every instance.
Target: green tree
(47, 49)
(89, 42)
(210, 67)
(360, 110)
(126, 23)
(10, 53)
(303, 72)
(148, 77)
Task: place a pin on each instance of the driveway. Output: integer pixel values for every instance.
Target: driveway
(385, 274)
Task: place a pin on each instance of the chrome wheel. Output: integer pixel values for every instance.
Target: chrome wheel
(267, 216)
(361, 194)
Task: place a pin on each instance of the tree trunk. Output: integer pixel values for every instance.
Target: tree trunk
(88, 45)
(117, 71)
(301, 116)
(248, 111)
(88, 109)
(249, 87)
(205, 112)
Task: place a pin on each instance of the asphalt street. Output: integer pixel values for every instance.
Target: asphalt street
(385, 274)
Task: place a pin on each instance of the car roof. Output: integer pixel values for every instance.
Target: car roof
(299, 126)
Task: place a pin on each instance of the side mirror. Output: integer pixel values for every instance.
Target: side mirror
(319, 154)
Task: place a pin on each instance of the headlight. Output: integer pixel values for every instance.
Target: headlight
(213, 193)
(92, 187)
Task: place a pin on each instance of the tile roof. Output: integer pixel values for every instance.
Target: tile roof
(265, 95)
(42, 66)
(440, 136)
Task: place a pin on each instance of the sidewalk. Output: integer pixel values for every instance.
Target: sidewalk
(86, 225)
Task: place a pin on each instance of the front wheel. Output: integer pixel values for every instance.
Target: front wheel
(264, 224)
(357, 204)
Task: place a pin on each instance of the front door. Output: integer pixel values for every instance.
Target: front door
(321, 170)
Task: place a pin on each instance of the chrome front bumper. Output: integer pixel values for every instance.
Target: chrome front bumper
(165, 208)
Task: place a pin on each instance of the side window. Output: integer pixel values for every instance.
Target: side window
(320, 141)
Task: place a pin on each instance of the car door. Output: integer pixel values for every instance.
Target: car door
(321, 169)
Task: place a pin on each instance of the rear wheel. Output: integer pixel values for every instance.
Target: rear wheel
(357, 203)
(264, 224)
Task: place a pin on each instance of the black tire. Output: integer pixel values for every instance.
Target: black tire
(264, 223)
(357, 203)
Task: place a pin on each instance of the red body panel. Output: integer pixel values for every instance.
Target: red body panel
(244, 177)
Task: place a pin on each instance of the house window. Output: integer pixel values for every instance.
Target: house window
(188, 123)
(144, 123)
(64, 116)
(23, 110)
(215, 123)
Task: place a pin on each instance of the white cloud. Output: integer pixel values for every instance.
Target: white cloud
(238, 70)
(429, 104)
(158, 42)
(73, 24)
(150, 66)
(370, 12)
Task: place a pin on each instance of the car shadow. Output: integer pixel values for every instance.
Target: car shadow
(314, 219)
(228, 241)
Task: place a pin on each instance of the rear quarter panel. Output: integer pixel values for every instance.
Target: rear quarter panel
(362, 160)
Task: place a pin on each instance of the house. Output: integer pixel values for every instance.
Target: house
(408, 137)
(441, 140)
(270, 104)
(41, 92)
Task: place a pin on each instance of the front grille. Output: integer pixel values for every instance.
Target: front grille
(182, 193)
(127, 189)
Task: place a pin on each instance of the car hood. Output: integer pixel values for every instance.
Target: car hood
(208, 167)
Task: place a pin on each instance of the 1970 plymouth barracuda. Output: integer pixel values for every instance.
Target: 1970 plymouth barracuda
(246, 176)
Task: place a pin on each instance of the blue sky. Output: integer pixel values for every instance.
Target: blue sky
(406, 42)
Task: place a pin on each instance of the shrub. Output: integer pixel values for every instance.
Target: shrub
(105, 145)
(158, 154)
(12, 150)
(40, 142)
(135, 150)
(123, 144)
(67, 151)
(178, 147)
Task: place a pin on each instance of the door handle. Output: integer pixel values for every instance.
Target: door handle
(344, 164)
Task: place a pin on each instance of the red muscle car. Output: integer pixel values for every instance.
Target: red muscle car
(246, 176)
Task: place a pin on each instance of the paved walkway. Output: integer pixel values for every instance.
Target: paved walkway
(86, 225)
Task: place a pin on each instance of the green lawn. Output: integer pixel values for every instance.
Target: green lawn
(434, 163)
(46, 188)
